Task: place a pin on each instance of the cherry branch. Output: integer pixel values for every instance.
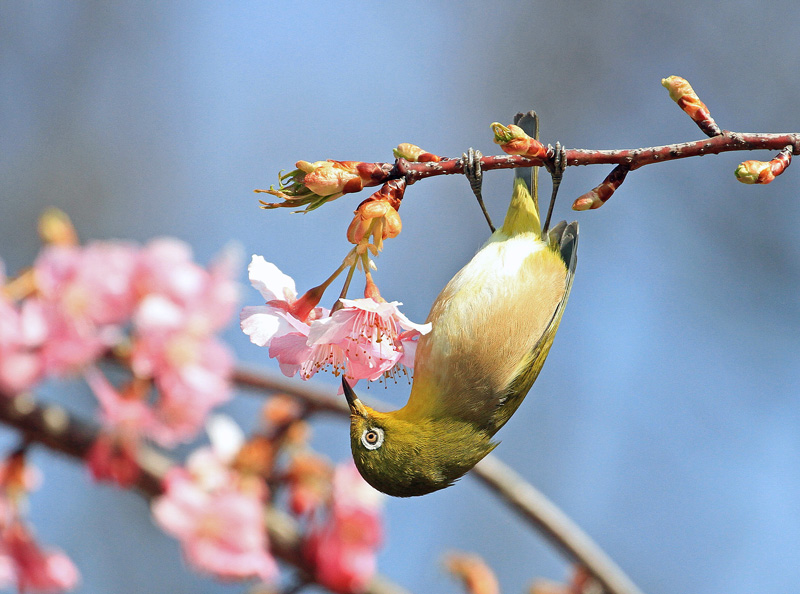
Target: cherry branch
(313, 184)
(55, 428)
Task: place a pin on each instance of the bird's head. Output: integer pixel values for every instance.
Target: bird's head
(403, 456)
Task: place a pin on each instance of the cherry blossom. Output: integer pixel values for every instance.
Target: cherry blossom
(365, 339)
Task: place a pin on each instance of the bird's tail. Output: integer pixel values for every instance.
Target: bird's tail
(522, 215)
(529, 122)
(523, 212)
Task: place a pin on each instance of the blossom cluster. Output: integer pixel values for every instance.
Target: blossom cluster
(214, 505)
(217, 513)
(364, 339)
(153, 307)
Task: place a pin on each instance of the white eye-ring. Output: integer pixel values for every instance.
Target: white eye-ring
(372, 438)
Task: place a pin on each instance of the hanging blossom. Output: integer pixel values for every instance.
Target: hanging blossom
(23, 563)
(342, 549)
(365, 339)
(217, 514)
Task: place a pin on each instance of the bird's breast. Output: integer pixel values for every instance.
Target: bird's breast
(484, 323)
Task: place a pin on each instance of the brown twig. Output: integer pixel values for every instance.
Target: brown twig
(625, 159)
(52, 426)
(532, 505)
(725, 142)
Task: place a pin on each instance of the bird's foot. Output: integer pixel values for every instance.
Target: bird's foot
(471, 161)
(556, 170)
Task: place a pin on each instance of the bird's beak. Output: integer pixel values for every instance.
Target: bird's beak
(356, 407)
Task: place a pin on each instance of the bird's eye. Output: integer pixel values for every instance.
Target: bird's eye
(372, 438)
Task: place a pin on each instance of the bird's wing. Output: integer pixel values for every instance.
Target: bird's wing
(563, 238)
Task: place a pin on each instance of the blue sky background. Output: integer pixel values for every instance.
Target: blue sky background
(667, 419)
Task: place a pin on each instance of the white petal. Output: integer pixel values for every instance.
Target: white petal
(260, 324)
(270, 281)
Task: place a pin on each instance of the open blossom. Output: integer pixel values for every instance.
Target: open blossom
(364, 340)
(221, 528)
(282, 313)
(342, 549)
(375, 336)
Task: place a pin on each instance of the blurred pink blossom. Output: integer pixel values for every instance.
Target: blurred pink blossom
(343, 548)
(22, 332)
(182, 306)
(191, 368)
(91, 282)
(33, 568)
(22, 561)
(126, 418)
(207, 298)
(221, 529)
(86, 296)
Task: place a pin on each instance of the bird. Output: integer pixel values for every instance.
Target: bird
(492, 327)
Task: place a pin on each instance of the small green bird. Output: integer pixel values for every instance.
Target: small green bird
(492, 327)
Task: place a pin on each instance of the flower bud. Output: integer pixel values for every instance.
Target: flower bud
(413, 153)
(598, 196)
(55, 228)
(754, 172)
(313, 184)
(514, 141)
(681, 92)
(375, 219)
(377, 216)
(326, 178)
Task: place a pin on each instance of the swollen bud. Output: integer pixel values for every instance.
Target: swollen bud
(313, 184)
(681, 92)
(377, 218)
(514, 141)
(326, 178)
(413, 153)
(753, 172)
(55, 228)
(598, 196)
